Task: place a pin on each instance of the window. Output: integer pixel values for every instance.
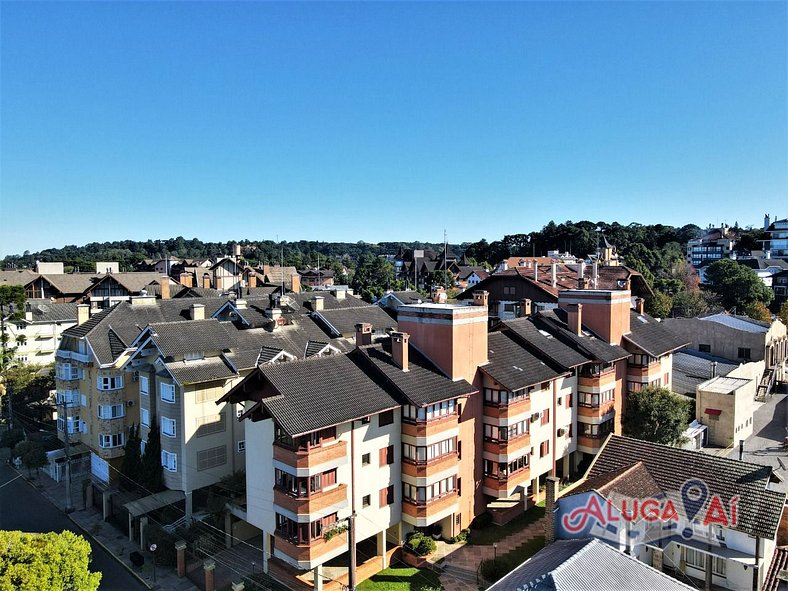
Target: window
(697, 559)
(365, 421)
(544, 448)
(594, 399)
(73, 423)
(387, 496)
(167, 392)
(424, 494)
(569, 400)
(704, 348)
(109, 440)
(111, 411)
(167, 427)
(145, 417)
(596, 431)
(428, 413)
(365, 501)
(193, 356)
(387, 455)
(212, 457)
(385, 418)
(545, 416)
(303, 533)
(513, 431)
(169, 461)
(109, 382)
(744, 353)
(365, 460)
(241, 446)
(144, 384)
(416, 454)
(508, 290)
(494, 397)
(66, 371)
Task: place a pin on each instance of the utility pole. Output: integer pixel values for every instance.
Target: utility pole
(69, 508)
(351, 538)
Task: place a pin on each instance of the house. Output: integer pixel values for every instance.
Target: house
(738, 338)
(725, 405)
(699, 517)
(714, 245)
(575, 565)
(37, 336)
(111, 288)
(317, 277)
(780, 288)
(276, 275)
(392, 300)
(777, 243)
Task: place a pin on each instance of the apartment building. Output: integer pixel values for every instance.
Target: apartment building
(722, 535)
(37, 336)
(715, 244)
(777, 244)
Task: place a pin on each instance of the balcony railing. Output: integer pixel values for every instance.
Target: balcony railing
(317, 501)
(335, 453)
(311, 551)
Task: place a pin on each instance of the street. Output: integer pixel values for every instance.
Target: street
(24, 508)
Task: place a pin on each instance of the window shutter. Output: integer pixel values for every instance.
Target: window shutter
(383, 456)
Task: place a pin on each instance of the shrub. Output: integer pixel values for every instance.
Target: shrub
(11, 437)
(494, 569)
(418, 543)
(460, 537)
(166, 555)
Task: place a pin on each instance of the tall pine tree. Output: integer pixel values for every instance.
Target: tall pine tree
(131, 467)
(151, 478)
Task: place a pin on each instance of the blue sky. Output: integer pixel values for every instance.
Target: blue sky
(391, 121)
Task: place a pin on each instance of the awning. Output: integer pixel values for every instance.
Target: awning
(713, 411)
(157, 501)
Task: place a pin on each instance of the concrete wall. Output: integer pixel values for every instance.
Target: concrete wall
(735, 420)
(724, 341)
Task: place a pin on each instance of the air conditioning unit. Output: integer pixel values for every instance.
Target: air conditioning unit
(561, 432)
(136, 376)
(531, 452)
(130, 403)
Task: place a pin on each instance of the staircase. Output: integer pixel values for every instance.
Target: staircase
(765, 386)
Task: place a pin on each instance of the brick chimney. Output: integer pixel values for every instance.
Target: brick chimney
(363, 334)
(640, 305)
(550, 505)
(574, 317)
(187, 280)
(581, 275)
(164, 285)
(481, 298)
(295, 283)
(317, 303)
(525, 308)
(197, 312)
(83, 313)
(252, 280)
(399, 349)
(206, 281)
(606, 312)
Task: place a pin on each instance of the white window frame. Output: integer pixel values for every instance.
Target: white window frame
(112, 440)
(168, 388)
(105, 383)
(144, 385)
(111, 411)
(169, 461)
(166, 423)
(144, 417)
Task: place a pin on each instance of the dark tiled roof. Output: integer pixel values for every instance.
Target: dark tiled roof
(524, 330)
(203, 370)
(330, 301)
(44, 311)
(554, 321)
(314, 347)
(320, 392)
(759, 509)
(775, 580)
(191, 336)
(513, 366)
(423, 383)
(342, 321)
(574, 565)
(651, 336)
(632, 481)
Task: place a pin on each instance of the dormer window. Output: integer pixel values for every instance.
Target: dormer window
(193, 356)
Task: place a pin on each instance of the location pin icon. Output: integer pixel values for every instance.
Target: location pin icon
(694, 494)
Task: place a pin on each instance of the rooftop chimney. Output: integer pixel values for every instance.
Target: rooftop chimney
(317, 303)
(640, 305)
(363, 334)
(554, 274)
(595, 274)
(536, 271)
(83, 313)
(581, 275)
(525, 308)
(252, 280)
(240, 304)
(399, 349)
(187, 280)
(197, 312)
(481, 298)
(766, 221)
(295, 283)
(275, 314)
(165, 287)
(206, 281)
(574, 317)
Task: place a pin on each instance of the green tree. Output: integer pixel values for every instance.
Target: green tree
(783, 313)
(372, 276)
(660, 305)
(45, 562)
(690, 304)
(656, 414)
(758, 311)
(32, 454)
(131, 467)
(736, 286)
(151, 478)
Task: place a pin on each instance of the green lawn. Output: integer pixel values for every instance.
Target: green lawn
(508, 562)
(495, 533)
(401, 579)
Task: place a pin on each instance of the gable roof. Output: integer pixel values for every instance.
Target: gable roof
(759, 509)
(554, 322)
(526, 331)
(691, 368)
(190, 336)
(652, 336)
(582, 565)
(132, 282)
(513, 366)
(342, 321)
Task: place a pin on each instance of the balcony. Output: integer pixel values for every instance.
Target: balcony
(66, 354)
(305, 554)
(506, 447)
(430, 428)
(596, 411)
(333, 497)
(430, 467)
(506, 410)
(333, 453)
(590, 443)
(500, 486)
(423, 514)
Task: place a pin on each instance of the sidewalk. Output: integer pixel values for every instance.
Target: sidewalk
(104, 534)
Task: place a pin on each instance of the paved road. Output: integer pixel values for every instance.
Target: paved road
(23, 508)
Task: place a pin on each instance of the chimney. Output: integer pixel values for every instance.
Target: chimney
(164, 284)
(295, 283)
(574, 317)
(640, 305)
(766, 221)
(713, 369)
(237, 251)
(581, 275)
(481, 298)
(206, 281)
(275, 314)
(399, 349)
(550, 509)
(186, 280)
(252, 280)
(339, 294)
(595, 275)
(317, 303)
(240, 304)
(197, 311)
(628, 284)
(525, 308)
(536, 271)
(554, 274)
(363, 334)
(83, 313)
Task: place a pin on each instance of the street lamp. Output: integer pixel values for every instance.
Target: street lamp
(495, 551)
(152, 549)
(253, 568)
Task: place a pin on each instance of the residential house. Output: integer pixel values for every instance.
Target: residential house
(111, 288)
(392, 300)
(721, 527)
(317, 277)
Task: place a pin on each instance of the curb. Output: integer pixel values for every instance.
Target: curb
(85, 532)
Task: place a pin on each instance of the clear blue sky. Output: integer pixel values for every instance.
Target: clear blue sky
(358, 121)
